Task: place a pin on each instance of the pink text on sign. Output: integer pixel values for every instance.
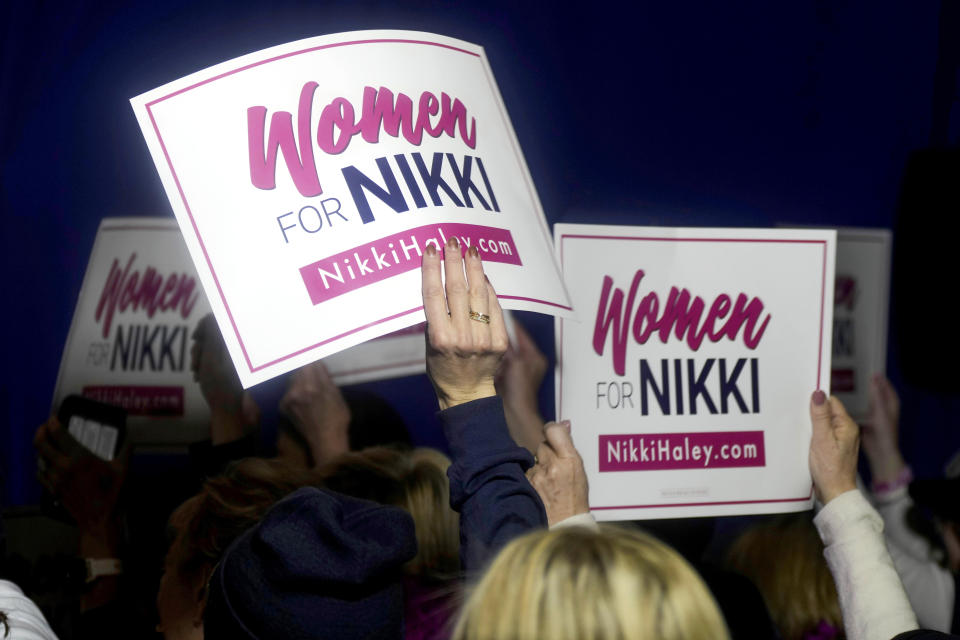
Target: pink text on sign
(400, 253)
(140, 400)
(660, 451)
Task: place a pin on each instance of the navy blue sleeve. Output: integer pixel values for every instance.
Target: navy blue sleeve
(488, 487)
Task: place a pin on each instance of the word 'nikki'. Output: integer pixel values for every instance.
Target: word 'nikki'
(689, 385)
(150, 348)
(681, 315)
(148, 289)
(338, 125)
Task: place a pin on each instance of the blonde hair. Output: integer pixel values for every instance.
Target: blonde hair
(784, 558)
(578, 583)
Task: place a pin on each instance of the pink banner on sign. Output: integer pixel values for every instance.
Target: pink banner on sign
(400, 253)
(659, 451)
(842, 380)
(138, 400)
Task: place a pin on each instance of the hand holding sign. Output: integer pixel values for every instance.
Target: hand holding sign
(464, 346)
(558, 476)
(833, 448)
(87, 486)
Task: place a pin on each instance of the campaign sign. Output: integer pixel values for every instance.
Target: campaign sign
(860, 310)
(129, 341)
(688, 373)
(308, 179)
(397, 354)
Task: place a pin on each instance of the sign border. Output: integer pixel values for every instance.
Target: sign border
(559, 320)
(148, 106)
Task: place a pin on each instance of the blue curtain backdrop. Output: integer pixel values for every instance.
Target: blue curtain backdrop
(746, 113)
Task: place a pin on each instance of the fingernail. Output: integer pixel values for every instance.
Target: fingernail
(430, 250)
(565, 424)
(819, 397)
(452, 243)
(472, 251)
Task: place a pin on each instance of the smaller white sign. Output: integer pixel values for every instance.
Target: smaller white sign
(860, 312)
(129, 341)
(688, 373)
(398, 354)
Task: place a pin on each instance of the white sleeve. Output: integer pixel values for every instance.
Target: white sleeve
(580, 520)
(929, 586)
(893, 507)
(872, 600)
(25, 620)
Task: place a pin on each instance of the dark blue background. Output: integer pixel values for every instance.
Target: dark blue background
(675, 113)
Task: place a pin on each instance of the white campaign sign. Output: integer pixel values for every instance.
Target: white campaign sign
(129, 341)
(308, 178)
(687, 375)
(397, 354)
(861, 307)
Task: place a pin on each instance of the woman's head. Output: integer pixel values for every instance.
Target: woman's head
(204, 526)
(784, 558)
(580, 583)
(416, 481)
(201, 528)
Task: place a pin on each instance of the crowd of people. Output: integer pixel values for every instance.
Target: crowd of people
(350, 532)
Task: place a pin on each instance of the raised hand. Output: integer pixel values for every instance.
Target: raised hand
(232, 411)
(833, 447)
(559, 476)
(315, 406)
(880, 436)
(88, 487)
(464, 346)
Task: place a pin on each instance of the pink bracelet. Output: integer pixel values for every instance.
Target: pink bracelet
(903, 478)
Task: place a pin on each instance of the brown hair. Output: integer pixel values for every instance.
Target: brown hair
(228, 505)
(231, 503)
(784, 558)
(416, 481)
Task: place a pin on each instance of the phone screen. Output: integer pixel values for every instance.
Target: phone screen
(97, 426)
(99, 438)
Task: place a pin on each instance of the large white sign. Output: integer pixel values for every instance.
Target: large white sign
(688, 373)
(861, 307)
(129, 341)
(397, 354)
(308, 178)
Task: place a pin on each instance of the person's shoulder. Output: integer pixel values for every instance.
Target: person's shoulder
(923, 634)
(24, 621)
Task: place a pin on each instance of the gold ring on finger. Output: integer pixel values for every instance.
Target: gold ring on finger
(480, 317)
